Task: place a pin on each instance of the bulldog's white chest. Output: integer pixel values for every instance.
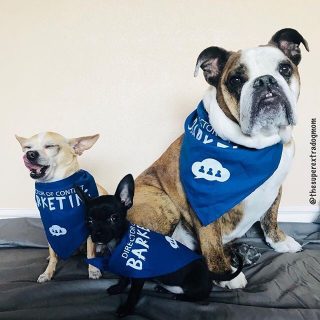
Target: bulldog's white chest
(257, 203)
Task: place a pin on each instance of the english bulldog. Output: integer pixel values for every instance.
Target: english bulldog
(52, 160)
(251, 106)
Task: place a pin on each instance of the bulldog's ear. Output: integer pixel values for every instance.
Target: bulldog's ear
(288, 41)
(125, 191)
(212, 61)
(83, 143)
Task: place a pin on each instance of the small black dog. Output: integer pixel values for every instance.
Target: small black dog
(107, 224)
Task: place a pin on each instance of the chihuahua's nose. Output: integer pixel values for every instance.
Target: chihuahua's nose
(32, 155)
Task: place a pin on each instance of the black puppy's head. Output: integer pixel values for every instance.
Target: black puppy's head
(106, 215)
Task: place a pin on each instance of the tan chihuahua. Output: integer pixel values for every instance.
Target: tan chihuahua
(51, 157)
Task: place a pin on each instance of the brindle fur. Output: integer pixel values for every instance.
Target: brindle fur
(160, 203)
(269, 221)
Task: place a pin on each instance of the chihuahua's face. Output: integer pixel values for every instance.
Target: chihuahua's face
(50, 157)
(106, 215)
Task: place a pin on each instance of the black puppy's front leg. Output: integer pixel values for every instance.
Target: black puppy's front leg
(133, 297)
(119, 287)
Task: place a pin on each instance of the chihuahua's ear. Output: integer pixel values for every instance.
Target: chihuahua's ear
(81, 144)
(21, 140)
(82, 195)
(125, 191)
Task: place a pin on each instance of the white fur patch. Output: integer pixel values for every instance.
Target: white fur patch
(287, 245)
(231, 131)
(185, 237)
(258, 202)
(237, 283)
(173, 289)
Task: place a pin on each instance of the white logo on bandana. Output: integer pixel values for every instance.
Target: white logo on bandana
(211, 170)
(56, 230)
(173, 242)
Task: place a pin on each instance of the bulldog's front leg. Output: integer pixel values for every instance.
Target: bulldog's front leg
(94, 273)
(51, 268)
(274, 236)
(218, 262)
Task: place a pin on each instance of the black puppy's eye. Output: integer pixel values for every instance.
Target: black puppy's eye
(90, 221)
(114, 218)
(285, 70)
(235, 81)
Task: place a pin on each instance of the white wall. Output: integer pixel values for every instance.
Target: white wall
(124, 69)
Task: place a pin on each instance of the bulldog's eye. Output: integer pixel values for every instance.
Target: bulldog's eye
(27, 147)
(114, 218)
(235, 81)
(285, 70)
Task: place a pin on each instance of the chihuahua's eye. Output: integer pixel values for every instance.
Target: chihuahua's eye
(114, 218)
(27, 147)
(50, 146)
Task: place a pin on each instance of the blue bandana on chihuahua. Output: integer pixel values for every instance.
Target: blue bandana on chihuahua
(63, 213)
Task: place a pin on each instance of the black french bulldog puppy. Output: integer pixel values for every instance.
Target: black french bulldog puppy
(107, 224)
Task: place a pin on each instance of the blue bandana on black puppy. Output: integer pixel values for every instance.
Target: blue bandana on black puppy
(216, 174)
(143, 253)
(62, 212)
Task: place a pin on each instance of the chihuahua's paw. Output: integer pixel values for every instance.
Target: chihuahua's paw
(115, 289)
(94, 273)
(45, 277)
(287, 245)
(238, 282)
(123, 311)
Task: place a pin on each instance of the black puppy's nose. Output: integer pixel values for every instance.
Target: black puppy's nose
(32, 155)
(265, 81)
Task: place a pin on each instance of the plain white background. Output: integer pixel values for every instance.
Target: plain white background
(124, 69)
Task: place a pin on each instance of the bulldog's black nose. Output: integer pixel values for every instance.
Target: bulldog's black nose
(32, 155)
(265, 81)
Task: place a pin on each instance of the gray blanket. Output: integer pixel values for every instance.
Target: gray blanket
(280, 286)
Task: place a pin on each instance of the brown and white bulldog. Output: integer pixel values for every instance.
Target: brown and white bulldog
(251, 101)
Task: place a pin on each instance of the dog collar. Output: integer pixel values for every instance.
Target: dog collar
(217, 174)
(62, 212)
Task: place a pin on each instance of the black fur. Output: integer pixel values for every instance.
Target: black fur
(106, 219)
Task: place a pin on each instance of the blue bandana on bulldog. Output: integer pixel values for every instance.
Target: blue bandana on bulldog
(143, 253)
(62, 212)
(216, 174)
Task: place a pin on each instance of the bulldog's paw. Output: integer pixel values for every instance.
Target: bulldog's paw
(287, 245)
(238, 282)
(94, 273)
(44, 277)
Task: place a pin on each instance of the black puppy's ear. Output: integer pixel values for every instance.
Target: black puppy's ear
(82, 195)
(288, 41)
(212, 61)
(125, 191)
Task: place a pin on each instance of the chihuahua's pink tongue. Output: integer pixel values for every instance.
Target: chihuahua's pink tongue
(32, 166)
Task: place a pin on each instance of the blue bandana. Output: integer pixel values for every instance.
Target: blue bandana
(145, 254)
(62, 212)
(216, 174)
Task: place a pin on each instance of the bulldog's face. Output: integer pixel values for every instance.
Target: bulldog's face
(258, 88)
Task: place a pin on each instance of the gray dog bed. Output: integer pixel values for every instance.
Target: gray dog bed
(280, 286)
